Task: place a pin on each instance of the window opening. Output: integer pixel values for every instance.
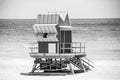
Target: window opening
(45, 35)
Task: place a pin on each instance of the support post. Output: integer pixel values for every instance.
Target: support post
(34, 67)
(71, 69)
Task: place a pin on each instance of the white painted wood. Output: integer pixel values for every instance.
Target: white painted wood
(52, 48)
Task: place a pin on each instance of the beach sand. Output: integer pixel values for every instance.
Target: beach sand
(10, 69)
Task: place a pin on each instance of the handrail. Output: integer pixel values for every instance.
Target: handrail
(88, 63)
(74, 47)
(89, 60)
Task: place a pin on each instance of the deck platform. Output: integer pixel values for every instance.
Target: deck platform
(56, 55)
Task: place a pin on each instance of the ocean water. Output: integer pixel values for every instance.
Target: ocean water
(102, 37)
(102, 41)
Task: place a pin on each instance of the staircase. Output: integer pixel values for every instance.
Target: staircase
(87, 62)
(83, 64)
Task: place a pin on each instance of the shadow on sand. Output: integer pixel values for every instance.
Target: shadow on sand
(53, 73)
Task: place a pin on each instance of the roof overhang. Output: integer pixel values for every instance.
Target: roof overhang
(65, 27)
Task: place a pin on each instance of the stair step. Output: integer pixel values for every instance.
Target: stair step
(84, 65)
(77, 66)
(76, 62)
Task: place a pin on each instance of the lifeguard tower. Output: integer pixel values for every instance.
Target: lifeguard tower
(54, 49)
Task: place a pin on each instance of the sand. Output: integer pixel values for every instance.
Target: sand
(10, 69)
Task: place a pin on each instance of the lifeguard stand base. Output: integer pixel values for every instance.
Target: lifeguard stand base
(57, 67)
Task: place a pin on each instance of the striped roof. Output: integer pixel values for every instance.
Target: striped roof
(41, 29)
(45, 28)
(61, 14)
(48, 19)
(53, 18)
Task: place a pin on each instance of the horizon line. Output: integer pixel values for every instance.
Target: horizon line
(70, 18)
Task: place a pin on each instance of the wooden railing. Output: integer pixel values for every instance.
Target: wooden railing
(33, 47)
(74, 47)
(71, 48)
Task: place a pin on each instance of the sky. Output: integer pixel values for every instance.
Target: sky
(75, 8)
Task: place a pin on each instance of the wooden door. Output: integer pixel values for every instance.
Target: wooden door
(52, 48)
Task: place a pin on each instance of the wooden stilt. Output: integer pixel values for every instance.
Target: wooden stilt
(71, 69)
(34, 67)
